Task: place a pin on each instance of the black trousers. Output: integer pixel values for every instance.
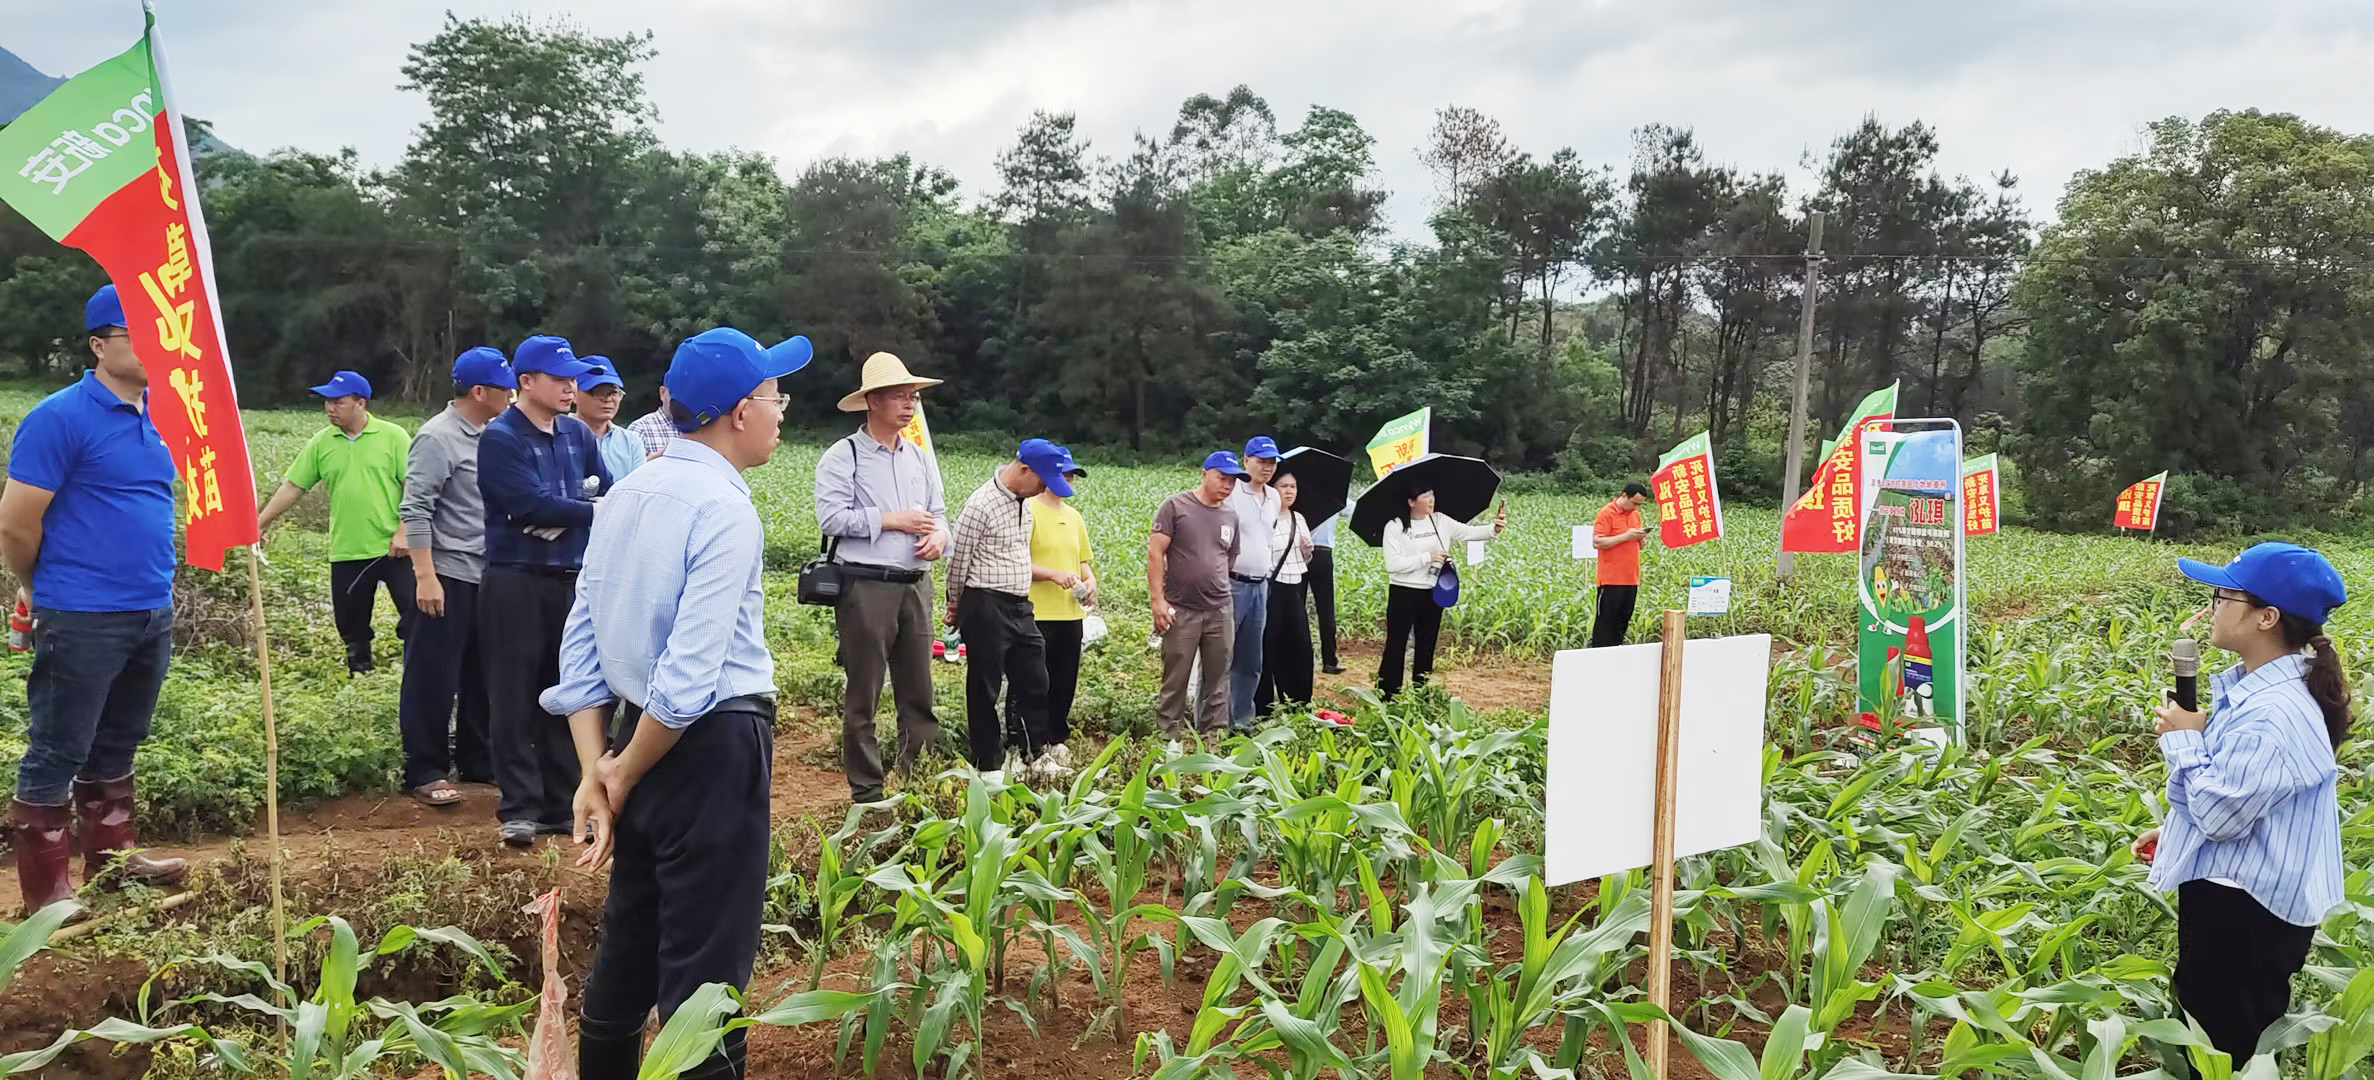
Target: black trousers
(1614, 616)
(520, 614)
(1410, 614)
(1285, 650)
(442, 712)
(354, 589)
(1002, 649)
(1063, 637)
(688, 885)
(2234, 964)
(1321, 579)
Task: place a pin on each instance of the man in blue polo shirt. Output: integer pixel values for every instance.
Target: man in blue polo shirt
(86, 525)
(540, 472)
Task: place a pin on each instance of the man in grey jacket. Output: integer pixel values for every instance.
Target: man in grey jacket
(444, 520)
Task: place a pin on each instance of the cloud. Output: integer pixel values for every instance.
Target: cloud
(2035, 87)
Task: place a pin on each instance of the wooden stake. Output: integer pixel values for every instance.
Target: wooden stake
(280, 926)
(1669, 748)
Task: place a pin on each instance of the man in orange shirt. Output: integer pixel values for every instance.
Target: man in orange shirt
(1617, 533)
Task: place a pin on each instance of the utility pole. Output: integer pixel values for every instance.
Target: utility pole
(1805, 307)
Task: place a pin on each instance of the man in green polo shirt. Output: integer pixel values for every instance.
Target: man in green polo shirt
(361, 457)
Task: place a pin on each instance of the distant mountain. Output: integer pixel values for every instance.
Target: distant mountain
(21, 86)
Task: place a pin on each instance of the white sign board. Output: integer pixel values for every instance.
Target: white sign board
(1603, 754)
(1475, 553)
(1583, 547)
(1710, 596)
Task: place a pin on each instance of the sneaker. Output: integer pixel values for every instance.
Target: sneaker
(1049, 768)
(995, 778)
(1331, 669)
(519, 833)
(1171, 748)
(1061, 755)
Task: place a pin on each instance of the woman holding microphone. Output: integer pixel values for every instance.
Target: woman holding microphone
(2251, 843)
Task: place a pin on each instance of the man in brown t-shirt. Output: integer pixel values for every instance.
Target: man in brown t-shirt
(1194, 543)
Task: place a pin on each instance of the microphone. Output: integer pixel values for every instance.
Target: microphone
(2184, 655)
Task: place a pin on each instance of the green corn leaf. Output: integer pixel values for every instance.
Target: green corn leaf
(691, 1034)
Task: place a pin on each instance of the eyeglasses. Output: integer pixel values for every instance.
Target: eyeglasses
(2221, 597)
(120, 333)
(782, 402)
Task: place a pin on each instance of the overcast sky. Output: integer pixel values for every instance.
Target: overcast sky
(2039, 88)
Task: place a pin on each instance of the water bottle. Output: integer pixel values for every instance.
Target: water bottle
(20, 628)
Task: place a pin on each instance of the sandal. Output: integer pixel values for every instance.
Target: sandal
(438, 793)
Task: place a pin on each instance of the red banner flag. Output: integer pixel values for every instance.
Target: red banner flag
(106, 168)
(1689, 508)
(1980, 505)
(2139, 505)
(1828, 518)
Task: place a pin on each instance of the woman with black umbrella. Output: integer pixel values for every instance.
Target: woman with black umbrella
(1418, 545)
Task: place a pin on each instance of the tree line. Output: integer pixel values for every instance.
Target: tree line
(2200, 306)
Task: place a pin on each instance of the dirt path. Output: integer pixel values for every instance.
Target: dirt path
(1493, 682)
(806, 784)
(372, 827)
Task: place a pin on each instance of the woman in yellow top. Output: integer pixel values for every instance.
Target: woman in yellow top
(1061, 582)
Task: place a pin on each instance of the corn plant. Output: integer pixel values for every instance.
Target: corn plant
(459, 1035)
(1507, 1001)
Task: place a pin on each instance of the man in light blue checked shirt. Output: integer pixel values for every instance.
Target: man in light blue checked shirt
(2251, 843)
(668, 630)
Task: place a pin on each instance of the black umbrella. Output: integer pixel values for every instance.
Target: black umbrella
(1463, 488)
(1323, 483)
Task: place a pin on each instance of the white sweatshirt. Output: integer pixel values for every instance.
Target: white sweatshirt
(1407, 549)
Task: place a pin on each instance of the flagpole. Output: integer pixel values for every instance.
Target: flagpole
(280, 928)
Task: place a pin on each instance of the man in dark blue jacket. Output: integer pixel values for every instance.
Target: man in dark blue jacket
(541, 473)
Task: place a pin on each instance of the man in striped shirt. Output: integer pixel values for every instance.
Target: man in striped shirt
(654, 428)
(989, 576)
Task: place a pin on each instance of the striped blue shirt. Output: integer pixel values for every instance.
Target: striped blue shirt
(2251, 800)
(670, 610)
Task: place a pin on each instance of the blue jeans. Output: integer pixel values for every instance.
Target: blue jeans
(1244, 666)
(94, 685)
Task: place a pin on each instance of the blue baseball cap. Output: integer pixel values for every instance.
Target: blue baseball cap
(1263, 447)
(342, 384)
(715, 369)
(1225, 462)
(1070, 467)
(547, 355)
(2290, 578)
(484, 366)
(1048, 460)
(102, 310)
(601, 375)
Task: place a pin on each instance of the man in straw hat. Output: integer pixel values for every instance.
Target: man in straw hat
(880, 497)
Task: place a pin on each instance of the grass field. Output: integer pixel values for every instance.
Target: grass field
(1367, 902)
(2050, 607)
